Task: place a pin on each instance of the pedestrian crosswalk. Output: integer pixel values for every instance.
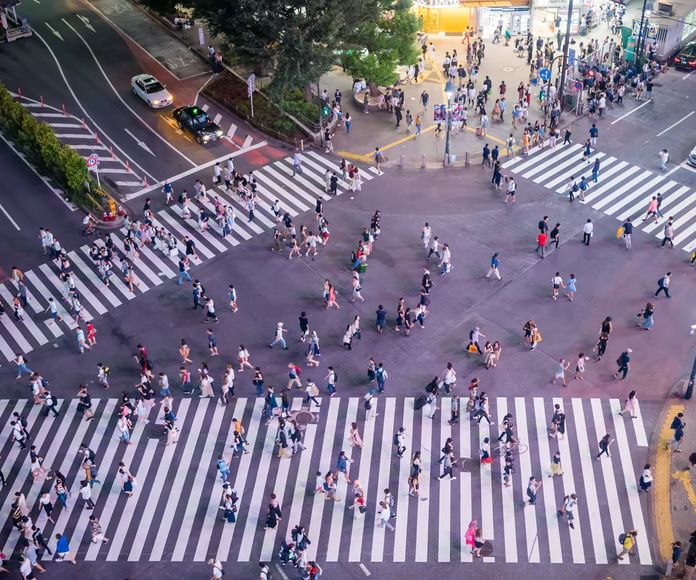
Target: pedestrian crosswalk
(623, 189)
(174, 513)
(152, 267)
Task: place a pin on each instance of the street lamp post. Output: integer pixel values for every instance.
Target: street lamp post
(642, 35)
(690, 386)
(449, 90)
(548, 84)
(565, 52)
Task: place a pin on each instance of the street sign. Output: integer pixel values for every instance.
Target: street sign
(578, 85)
(92, 160)
(544, 74)
(571, 57)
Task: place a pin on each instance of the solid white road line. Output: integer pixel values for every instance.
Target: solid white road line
(252, 430)
(530, 520)
(258, 499)
(385, 456)
(16, 335)
(363, 470)
(508, 499)
(559, 154)
(642, 203)
(569, 487)
(631, 112)
(177, 488)
(615, 180)
(29, 324)
(338, 517)
(45, 292)
(617, 524)
(9, 217)
(548, 492)
(591, 503)
(94, 279)
(212, 516)
(206, 468)
(248, 140)
(217, 118)
(231, 131)
(464, 514)
(51, 276)
(324, 464)
(423, 507)
(444, 515)
(639, 427)
(118, 536)
(152, 502)
(673, 125)
(630, 478)
(205, 107)
(403, 500)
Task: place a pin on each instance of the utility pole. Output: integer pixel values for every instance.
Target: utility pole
(690, 386)
(566, 44)
(640, 45)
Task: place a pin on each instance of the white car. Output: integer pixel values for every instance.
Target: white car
(692, 157)
(150, 90)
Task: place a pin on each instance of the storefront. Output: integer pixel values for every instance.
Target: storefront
(516, 19)
(455, 16)
(551, 16)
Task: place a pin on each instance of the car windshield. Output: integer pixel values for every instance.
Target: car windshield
(154, 87)
(199, 119)
(689, 51)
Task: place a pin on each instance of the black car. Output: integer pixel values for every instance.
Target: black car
(196, 121)
(686, 59)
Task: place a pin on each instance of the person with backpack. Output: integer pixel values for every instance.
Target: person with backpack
(218, 571)
(400, 442)
(381, 376)
(50, 402)
(663, 285)
(627, 541)
(623, 362)
(311, 393)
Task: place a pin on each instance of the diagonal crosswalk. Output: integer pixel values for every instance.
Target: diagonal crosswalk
(623, 189)
(174, 513)
(152, 267)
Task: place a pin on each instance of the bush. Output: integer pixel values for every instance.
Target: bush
(41, 146)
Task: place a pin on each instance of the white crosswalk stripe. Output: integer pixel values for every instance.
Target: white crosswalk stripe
(623, 190)
(152, 268)
(426, 530)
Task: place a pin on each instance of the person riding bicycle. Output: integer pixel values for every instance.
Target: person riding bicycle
(88, 224)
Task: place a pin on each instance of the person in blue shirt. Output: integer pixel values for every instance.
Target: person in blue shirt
(381, 318)
(493, 270)
(63, 549)
(594, 132)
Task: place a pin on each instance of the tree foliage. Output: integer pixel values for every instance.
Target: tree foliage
(387, 42)
(297, 41)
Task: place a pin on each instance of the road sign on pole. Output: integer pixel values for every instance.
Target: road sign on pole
(93, 163)
(578, 85)
(544, 74)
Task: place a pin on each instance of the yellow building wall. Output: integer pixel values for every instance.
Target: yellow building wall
(446, 19)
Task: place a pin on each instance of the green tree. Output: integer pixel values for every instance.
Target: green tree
(385, 44)
(295, 41)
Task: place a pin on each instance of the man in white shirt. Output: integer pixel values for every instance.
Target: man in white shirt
(587, 230)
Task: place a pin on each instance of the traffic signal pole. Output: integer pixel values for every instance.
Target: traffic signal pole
(566, 45)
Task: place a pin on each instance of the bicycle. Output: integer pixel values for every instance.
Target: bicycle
(514, 447)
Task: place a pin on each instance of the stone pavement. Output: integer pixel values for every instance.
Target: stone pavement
(675, 495)
(378, 128)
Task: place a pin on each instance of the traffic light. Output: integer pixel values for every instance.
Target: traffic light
(325, 110)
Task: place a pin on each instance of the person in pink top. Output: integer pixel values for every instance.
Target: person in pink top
(652, 210)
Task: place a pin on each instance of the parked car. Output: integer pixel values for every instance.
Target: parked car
(691, 159)
(195, 120)
(150, 90)
(686, 58)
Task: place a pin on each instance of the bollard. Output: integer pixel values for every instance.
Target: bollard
(128, 166)
(302, 145)
(42, 102)
(422, 160)
(96, 136)
(145, 181)
(466, 159)
(84, 125)
(111, 151)
(64, 111)
(19, 92)
(402, 161)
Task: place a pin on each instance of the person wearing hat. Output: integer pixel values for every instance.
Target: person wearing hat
(624, 362)
(279, 337)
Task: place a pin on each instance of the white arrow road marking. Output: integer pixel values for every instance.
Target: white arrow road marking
(217, 119)
(85, 21)
(140, 143)
(54, 31)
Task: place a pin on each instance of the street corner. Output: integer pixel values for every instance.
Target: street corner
(674, 498)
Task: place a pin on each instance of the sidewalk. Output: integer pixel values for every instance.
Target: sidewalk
(674, 489)
(377, 129)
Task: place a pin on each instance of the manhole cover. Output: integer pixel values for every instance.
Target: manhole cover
(508, 68)
(305, 417)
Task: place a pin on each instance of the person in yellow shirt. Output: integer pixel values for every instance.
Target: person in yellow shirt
(628, 543)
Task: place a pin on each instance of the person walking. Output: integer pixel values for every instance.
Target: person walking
(448, 463)
(664, 159)
(668, 233)
(663, 285)
(556, 283)
(626, 231)
(532, 490)
(630, 405)
(646, 478)
(383, 517)
(587, 232)
(556, 467)
(604, 332)
(561, 367)
(96, 530)
(624, 363)
(279, 338)
(400, 442)
(604, 444)
(494, 270)
(63, 552)
(628, 541)
(542, 239)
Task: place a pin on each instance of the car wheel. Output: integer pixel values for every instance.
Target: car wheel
(199, 140)
(181, 125)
